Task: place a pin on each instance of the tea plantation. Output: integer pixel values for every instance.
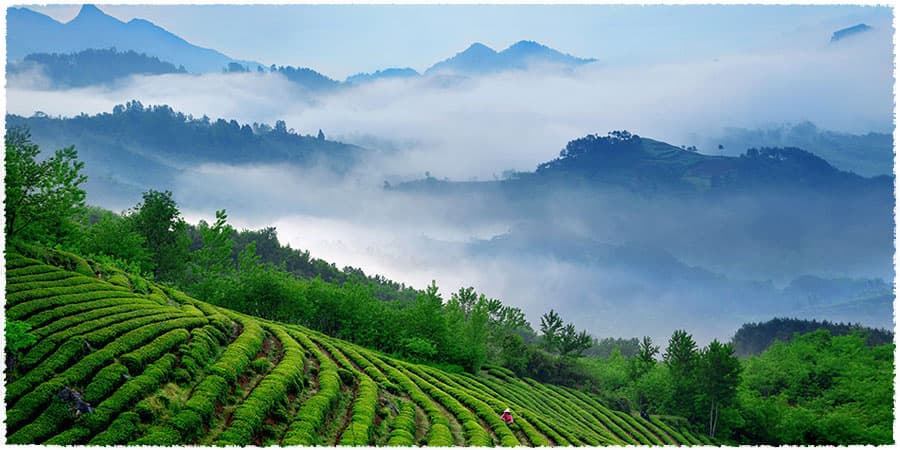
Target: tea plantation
(119, 360)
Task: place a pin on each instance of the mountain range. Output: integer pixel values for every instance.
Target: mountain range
(31, 32)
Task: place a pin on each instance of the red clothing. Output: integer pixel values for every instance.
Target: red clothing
(507, 417)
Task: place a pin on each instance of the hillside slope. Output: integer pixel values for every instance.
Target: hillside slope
(160, 368)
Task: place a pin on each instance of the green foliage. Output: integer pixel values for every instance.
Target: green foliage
(42, 197)
(18, 336)
(681, 358)
(403, 429)
(261, 365)
(718, 374)
(158, 220)
(113, 240)
(136, 359)
(105, 382)
(818, 390)
(359, 431)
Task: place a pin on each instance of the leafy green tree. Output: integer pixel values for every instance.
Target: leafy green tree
(719, 373)
(681, 359)
(111, 235)
(468, 318)
(214, 257)
(551, 325)
(42, 197)
(573, 343)
(644, 360)
(159, 221)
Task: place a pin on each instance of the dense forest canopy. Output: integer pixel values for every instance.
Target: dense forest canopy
(754, 338)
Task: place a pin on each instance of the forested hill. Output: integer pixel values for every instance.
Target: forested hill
(627, 161)
(104, 357)
(754, 338)
(167, 133)
(137, 147)
(89, 67)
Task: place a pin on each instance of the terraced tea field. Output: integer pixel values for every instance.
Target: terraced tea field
(157, 367)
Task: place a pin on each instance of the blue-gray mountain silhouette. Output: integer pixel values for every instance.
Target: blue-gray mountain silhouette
(31, 32)
(480, 59)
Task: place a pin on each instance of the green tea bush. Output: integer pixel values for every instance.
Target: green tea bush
(359, 431)
(51, 420)
(261, 365)
(105, 382)
(52, 275)
(311, 416)
(68, 316)
(120, 431)
(206, 394)
(403, 429)
(130, 392)
(25, 291)
(63, 357)
(49, 344)
(56, 292)
(31, 402)
(23, 310)
(136, 359)
(238, 355)
(120, 279)
(72, 436)
(271, 391)
(159, 436)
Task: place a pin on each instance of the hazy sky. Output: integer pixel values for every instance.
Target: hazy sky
(340, 40)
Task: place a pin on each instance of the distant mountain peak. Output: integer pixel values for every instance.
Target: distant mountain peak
(849, 31)
(479, 47)
(479, 58)
(91, 12)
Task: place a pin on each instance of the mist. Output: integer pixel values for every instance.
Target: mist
(477, 128)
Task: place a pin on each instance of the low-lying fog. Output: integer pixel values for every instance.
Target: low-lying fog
(476, 128)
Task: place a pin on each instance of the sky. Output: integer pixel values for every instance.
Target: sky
(341, 40)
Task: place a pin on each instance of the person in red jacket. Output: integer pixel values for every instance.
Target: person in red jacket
(507, 416)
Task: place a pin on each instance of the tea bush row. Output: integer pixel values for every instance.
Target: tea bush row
(248, 417)
(359, 431)
(137, 359)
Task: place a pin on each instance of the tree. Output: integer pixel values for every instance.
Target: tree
(159, 221)
(572, 343)
(214, 257)
(719, 373)
(551, 324)
(321, 136)
(113, 236)
(644, 360)
(681, 360)
(42, 198)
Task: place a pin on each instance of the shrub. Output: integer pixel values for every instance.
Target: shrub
(63, 357)
(130, 392)
(73, 333)
(23, 310)
(106, 381)
(135, 360)
(50, 421)
(120, 431)
(205, 395)
(161, 436)
(261, 365)
(359, 431)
